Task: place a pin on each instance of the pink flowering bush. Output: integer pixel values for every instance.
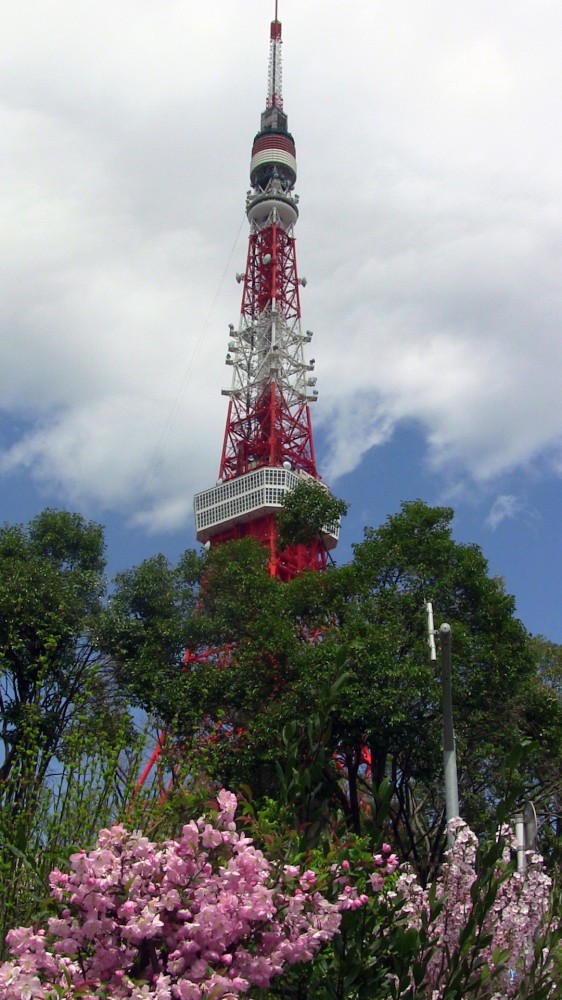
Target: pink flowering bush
(354, 964)
(204, 916)
(208, 916)
(492, 923)
(475, 932)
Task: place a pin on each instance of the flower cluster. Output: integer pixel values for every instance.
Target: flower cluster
(372, 872)
(516, 915)
(385, 864)
(204, 916)
(351, 875)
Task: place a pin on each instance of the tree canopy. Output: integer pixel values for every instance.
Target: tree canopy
(59, 701)
(263, 651)
(51, 590)
(315, 699)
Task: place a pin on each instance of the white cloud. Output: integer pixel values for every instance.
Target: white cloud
(430, 230)
(476, 75)
(505, 507)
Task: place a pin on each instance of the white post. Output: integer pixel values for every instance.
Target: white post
(449, 749)
(519, 821)
(430, 632)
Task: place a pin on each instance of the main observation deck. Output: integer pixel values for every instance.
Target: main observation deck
(248, 497)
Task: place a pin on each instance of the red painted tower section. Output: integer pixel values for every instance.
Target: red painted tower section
(268, 445)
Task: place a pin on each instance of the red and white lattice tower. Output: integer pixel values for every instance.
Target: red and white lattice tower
(268, 446)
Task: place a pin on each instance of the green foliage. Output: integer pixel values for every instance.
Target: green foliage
(541, 709)
(82, 793)
(409, 560)
(56, 691)
(309, 777)
(266, 652)
(381, 952)
(51, 589)
(308, 511)
(289, 686)
(143, 630)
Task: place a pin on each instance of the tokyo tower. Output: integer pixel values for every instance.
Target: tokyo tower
(268, 446)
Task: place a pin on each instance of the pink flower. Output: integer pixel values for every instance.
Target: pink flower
(217, 916)
(307, 879)
(228, 803)
(519, 911)
(291, 871)
(377, 882)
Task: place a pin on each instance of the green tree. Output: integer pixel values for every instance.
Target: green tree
(308, 511)
(144, 630)
(239, 641)
(542, 712)
(411, 559)
(51, 589)
(266, 651)
(56, 689)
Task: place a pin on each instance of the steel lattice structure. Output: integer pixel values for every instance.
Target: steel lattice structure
(268, 424)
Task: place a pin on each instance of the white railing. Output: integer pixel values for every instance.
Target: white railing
(247, 498)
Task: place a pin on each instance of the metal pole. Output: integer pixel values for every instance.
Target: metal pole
(520, 841)
(449, 750)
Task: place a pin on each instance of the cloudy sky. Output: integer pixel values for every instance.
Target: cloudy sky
(429, 147)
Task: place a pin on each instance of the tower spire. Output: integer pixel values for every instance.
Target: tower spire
(268, 445)
(275, 71)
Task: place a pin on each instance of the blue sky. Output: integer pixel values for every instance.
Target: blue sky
(429, 152)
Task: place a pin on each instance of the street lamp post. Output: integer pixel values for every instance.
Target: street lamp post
(449, 749)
